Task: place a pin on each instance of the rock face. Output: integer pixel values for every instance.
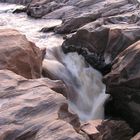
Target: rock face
(105, 44)
(110, 41)
(19, 55)
(123, 82)
(34, 109)
(24, 2)
(104, 32)
(107, 130)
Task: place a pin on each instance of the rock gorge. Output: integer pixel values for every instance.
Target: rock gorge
(106, 33)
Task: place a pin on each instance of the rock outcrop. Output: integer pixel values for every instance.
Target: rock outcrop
(107, 130)
(34, 110)
(24, 2)
(100, 45)
(123, 83)
(19, 55)
(105, 44)
(104, 32)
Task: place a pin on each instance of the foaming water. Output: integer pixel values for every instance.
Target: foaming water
(86, 90)
(86, 94)
(29, 26)
(87, 82)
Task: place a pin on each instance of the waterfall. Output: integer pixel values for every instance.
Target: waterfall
(86, 89)
(86, 94)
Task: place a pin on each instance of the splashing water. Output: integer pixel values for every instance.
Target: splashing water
(86, 95)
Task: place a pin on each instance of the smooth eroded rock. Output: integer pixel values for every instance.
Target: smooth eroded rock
(34, 109)
(19, 55)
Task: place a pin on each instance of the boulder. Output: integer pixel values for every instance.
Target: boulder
(19, 55)
(34, 109)
(89, 11)
(100, 44)
(77, 13)
(123, 83)
(107, 130)
(73, 24)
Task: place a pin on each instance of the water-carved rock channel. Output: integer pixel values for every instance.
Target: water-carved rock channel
(86, 91)
(66, 82)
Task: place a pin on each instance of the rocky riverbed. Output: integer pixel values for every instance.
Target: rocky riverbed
(37, 85)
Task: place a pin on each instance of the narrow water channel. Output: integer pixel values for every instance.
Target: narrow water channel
(86, 95)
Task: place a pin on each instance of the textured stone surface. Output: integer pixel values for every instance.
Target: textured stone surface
(17, 1)
(123, 83)
(107, 130)
(34, 110)
(19, 55)
(101, 42)
(102, 31)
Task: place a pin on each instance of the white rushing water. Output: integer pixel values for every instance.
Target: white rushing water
(86, 91)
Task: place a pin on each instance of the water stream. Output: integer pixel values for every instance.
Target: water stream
(86, 95)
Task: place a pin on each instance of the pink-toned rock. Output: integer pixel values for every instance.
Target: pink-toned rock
(19, 55)
(107, 130)
(34, 110)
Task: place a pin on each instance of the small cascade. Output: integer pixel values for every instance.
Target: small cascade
(86, 89)
(86, 95)
(90, 96)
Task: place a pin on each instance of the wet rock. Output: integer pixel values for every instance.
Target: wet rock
(19, 55)
(85, 39)
(47, 29)
(83, 43)
(50, 27)
(33, 109)
(123, 83)
(107, 130)
(20, 10)
(100, 42)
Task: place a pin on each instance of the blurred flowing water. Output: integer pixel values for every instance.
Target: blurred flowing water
(86, 94)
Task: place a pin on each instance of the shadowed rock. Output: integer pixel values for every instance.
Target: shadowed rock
(123, 83)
